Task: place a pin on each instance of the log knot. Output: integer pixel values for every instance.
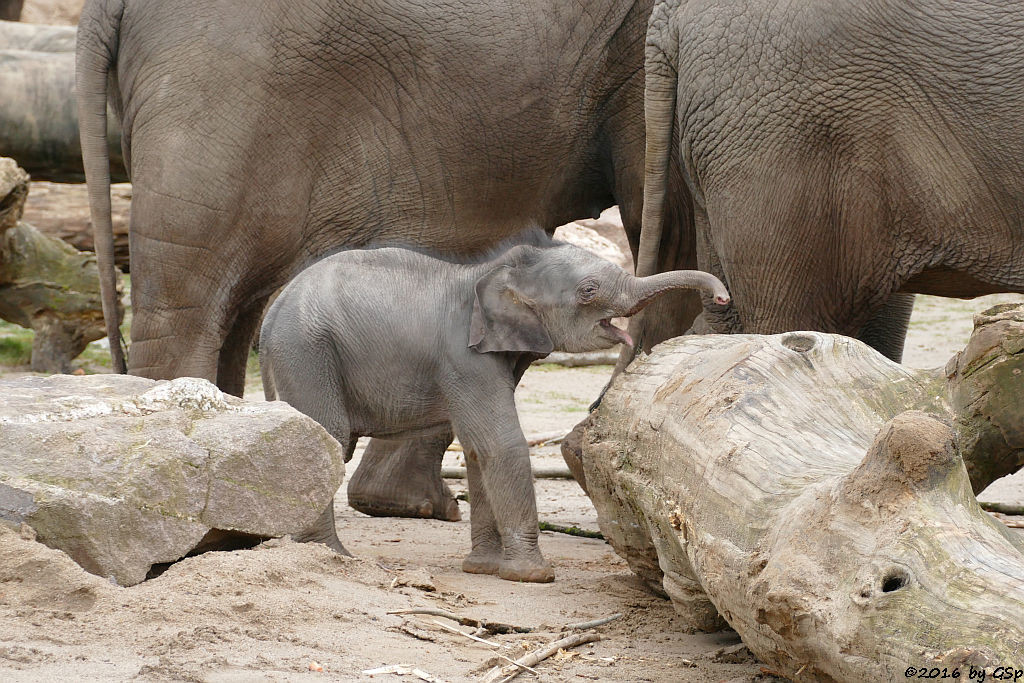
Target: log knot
(912, 451)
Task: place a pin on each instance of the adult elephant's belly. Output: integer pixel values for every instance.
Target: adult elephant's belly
(958, 284)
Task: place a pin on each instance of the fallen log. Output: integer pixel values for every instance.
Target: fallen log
(39, 113)
(811, 494)
(61, 210)
(45, 284)
(15, 35)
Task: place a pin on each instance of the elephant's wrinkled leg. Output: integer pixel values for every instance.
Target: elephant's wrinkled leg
(403, 479)
(180, 298)
(308, 380)
(323, 531)
(886, 332)
(485, 556)
(234, 354)
(487, 425)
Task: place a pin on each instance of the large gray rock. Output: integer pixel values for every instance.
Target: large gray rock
(123, 473)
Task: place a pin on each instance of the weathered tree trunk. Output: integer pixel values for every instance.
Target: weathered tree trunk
(800, 488)
(61, 210)
(986, 394)
(15, 35)
(38, 110)
(45, 284)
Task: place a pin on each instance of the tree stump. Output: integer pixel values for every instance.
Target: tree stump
(813, 495)
(10, 10)
(61, 210)
(45, 284)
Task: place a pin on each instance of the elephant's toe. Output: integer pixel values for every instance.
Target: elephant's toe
(526, 571)
(482, 563)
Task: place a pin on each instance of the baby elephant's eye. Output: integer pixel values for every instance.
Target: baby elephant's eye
(586, 291)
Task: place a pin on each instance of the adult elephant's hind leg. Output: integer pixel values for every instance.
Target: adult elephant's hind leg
(181, 288)
(886, 332)
(403, 479)
(234, 353)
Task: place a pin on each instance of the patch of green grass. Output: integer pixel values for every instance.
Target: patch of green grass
(94, 355)
(16, 350)
(15, 344)
(253, 378)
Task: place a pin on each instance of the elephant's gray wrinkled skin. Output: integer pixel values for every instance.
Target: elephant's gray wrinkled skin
(261, 136)
(396, 343)
(841, 155)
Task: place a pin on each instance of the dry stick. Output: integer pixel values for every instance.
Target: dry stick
(489, 626)
(530, 441)
(583, 626)
(543, 653)
(1003, 508)
(498, 627)
(521, 666)
(538, 473)
(446, 627)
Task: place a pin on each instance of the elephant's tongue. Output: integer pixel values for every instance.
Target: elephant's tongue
(617, 332)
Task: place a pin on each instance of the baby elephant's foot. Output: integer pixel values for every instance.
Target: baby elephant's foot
(483, 561)
(531, 570)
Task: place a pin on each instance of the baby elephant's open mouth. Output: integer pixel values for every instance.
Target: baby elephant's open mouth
(615, 333)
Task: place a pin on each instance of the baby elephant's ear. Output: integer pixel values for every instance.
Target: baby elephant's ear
(502, 317)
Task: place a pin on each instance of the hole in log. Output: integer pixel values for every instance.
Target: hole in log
(800, 343)
(894, 580)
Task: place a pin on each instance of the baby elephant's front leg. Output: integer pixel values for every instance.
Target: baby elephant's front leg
(503, 507)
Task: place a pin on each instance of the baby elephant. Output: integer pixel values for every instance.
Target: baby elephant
(395, 343)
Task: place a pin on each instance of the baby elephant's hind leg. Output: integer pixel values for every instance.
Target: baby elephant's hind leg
(309, 383)
(323, 531)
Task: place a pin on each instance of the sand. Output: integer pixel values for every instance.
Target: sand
(270, 613)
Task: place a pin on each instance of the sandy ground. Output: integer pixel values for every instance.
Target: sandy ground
(269, 613)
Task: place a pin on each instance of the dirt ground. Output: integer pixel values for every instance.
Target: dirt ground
(272, 613)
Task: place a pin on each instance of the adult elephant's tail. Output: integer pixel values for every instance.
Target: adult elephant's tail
(660, 115)
(96, 56)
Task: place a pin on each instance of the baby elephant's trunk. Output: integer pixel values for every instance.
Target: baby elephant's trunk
(640, 291)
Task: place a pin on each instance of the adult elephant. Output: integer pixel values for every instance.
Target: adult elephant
(842, 155)
(262, 135)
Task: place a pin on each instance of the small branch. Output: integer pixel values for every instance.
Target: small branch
(403, 670)
(521, 666)
(538, 473)
(546, 439)
(446, 627)
(1003, 508)
(583, 626)
(571, 530)
(540, 655)
(488, 626)
(531, 441)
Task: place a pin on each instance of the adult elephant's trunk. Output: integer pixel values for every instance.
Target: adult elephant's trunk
(640, 291)
(659, 112)
(95, 56)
